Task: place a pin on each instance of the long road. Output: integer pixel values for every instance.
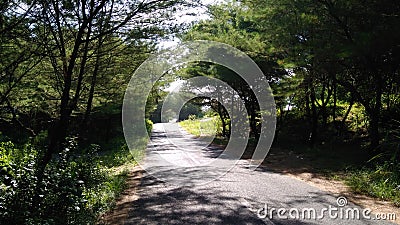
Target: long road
(196, 193)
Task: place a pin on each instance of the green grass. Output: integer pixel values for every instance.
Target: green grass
(382, 182)
(202, 127)
(103, 197)
(116, 162)
(118, 154)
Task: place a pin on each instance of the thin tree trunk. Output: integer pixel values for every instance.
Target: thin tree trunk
(314, 119)
(334, 101)
(93, 84)
(343, 122)
(375, 115)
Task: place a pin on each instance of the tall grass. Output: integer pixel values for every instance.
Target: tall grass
(382, 182)
(202, 127)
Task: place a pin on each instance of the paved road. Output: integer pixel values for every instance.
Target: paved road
(190, 194)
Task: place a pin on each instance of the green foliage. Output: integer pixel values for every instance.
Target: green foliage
(382, 182)
(75, 190)
(116, 156)
(17, 182)
(358, 118)
(65, 179)
(192, 117)
(149, 126)
(202, 126)
(174, 102)
(320, 57)
(102, 197)
(333, 66)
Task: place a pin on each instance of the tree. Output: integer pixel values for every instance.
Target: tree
(332, 46)
(349, 43)
(231, 23)
(19, 56)
(77, 34)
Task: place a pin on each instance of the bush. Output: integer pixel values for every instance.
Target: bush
(382, 182)
(198, 127)
(75, 188)
(192, 117)
(17, 183)
(149, 126)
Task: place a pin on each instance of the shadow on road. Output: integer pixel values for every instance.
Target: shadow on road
(183, 205)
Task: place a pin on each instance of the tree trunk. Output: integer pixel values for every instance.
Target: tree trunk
(92, 88)
(334, 100)
(374, 130)
(314, 121)
(58, 133)
(375, 115)
(343, 123)
(314, 115)
(221, 116)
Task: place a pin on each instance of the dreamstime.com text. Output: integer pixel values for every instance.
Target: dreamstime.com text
(341, 211)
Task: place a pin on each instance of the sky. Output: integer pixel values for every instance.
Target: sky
(174, 86)
(201, 14)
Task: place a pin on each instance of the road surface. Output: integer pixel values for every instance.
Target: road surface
(197, 194)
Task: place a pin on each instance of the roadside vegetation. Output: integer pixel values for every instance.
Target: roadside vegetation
(381, 181)
(79, 185)
(86, 185)
(206, 126)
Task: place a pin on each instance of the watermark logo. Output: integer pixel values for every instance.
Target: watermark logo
(339, 212)
(156, 161)
(341, 201)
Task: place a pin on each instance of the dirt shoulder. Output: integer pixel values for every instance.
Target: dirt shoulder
(303, 168)
(124, 203)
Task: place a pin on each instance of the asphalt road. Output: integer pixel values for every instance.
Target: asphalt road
(180, 187)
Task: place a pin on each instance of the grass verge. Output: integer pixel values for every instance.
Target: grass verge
(382, 182)
(202, 127)
(116, 163)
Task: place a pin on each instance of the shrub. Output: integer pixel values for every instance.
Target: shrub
(382, 182)
(75, 188)
(149, 126)
(192, 117)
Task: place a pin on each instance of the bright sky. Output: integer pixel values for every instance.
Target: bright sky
(174, 86)
(200, 11)
(201, 14)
